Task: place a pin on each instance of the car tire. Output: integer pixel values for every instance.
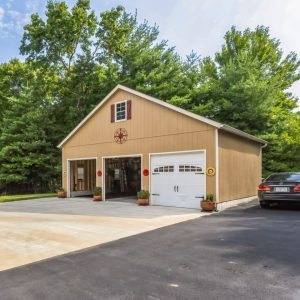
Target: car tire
(264, 205)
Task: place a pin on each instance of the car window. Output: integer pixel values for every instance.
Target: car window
(291, 177)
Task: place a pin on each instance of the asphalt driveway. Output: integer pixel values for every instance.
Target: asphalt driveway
(33, 230)
(242, 253)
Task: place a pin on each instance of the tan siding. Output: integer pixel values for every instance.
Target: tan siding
(152, 129)
(239, 167)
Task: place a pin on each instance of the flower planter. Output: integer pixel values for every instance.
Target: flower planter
(97, 198)
(208, 205)
(61, 194)
(143, 197)
(143, 202)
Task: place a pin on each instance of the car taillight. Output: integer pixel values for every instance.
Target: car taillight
(264, 188)
(297, 188)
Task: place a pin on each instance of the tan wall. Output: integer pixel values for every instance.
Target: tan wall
(152, 129)
(239, 167)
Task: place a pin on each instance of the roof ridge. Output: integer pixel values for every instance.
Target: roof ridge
(165, 104)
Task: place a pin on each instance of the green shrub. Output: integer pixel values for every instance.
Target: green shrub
(209, 197)
(97, 191)
(143, 194)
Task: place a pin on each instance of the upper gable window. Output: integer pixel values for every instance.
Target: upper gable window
(121, 111)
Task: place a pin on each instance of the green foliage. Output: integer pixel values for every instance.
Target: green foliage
(56, 42)
(25, 197)
(246, 86)
(143, 194)
(245, 81)
(209, 197)
(26, 153)
(73, 59)
(97, 191)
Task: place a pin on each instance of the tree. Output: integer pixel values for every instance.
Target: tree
(90, 58)
(62, 44)
(246, 86)
(28, 160)
(73, 59)
(138, 59)
(245, 80)
(58, 41)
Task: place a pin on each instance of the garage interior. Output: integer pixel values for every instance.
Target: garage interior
(122, 177)
(82, 177)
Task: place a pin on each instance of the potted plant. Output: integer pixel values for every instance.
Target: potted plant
(97, 194)
(61, 193)
(208, 204)
(143, 197)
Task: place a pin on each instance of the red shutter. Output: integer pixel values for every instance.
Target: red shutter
(112, 113)
(128, 109)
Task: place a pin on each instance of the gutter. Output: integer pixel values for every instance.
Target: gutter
(244, 134)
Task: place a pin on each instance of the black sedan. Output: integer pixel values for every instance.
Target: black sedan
(279, 188)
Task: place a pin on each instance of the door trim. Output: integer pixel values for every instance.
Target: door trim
(175, 152)
(118, 156)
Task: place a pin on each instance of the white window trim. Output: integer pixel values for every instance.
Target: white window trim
(121, 120)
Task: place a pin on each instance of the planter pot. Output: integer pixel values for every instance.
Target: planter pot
(61, 194)
(208, 205)
(143, 202)
(97, 198)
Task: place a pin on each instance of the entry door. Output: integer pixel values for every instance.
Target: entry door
(178, 179)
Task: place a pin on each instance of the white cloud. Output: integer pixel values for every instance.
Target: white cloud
(33, 5)
(197, 25)
(201, 25)
(18, 20)
(12, 21)
(9, 3)
(1, 13)
(3, 25)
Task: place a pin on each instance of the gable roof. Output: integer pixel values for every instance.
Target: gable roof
(167, 105)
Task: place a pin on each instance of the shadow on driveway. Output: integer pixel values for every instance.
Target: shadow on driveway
(242, 253)
(269, 237)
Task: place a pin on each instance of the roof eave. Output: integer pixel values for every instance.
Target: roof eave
(129, 90)
(167, 105)
(88, 116)
(244, 134)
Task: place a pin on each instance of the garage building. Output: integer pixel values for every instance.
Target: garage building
(132, 141)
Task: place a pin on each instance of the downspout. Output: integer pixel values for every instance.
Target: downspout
(217, 166)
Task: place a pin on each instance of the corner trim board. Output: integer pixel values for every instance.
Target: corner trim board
(217, 166)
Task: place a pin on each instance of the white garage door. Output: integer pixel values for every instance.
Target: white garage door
(178, 179)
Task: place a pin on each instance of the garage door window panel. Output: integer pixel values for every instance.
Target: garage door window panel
(189, 168)
(163, 169)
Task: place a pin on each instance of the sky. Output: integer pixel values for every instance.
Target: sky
(189, 25)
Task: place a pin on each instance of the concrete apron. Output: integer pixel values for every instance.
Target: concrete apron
(30, 237)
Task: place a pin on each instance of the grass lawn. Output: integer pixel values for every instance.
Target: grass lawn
(25, 197)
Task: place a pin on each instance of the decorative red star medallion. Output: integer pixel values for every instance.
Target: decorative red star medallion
(121, 136)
